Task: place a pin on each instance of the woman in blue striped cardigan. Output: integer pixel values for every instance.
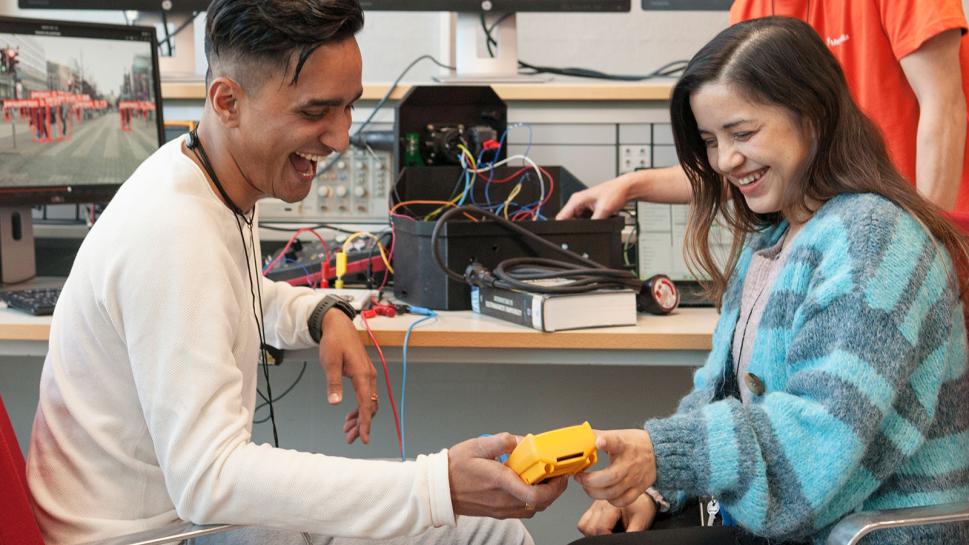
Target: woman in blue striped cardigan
(838, 376)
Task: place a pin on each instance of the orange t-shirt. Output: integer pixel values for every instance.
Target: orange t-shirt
(868, 37)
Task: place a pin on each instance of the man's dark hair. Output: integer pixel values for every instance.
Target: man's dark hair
(250, 39)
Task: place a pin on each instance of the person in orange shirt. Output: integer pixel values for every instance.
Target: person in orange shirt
(906, 64)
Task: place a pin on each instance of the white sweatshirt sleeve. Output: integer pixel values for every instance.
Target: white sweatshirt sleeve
(182, 335)
(286, 309)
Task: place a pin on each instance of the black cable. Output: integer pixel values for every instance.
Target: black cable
(490, 41)
(579, 275)
(370, 255)
(282, 395)
(168, 36)
(670, 69)
(289, 229)
(195, 144)
(381, 104)
(262, 335)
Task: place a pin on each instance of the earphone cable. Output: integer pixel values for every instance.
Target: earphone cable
(256, 291)
(195, 144)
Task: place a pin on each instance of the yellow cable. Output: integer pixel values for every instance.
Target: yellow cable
(469, 187)
(358, 234)
(341, 269)
(511, 196)
(467, 153)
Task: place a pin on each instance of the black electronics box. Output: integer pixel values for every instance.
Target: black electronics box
(417, 278)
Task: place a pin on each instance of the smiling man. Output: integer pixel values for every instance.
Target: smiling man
(148, 390)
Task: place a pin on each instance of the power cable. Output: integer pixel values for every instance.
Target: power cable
(167, 42)
(670, 69)
(578, 275)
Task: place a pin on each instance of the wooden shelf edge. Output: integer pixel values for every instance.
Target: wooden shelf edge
(554, 92)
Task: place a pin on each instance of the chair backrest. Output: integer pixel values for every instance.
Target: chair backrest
(17, 523)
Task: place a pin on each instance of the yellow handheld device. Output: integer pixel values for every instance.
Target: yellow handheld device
(564, 451)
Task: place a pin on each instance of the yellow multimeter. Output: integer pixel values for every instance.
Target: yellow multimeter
(565, 451)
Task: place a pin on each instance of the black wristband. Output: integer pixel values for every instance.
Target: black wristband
(315, 321)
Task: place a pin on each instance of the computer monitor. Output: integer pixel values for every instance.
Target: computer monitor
(473, 62)
(81, 109)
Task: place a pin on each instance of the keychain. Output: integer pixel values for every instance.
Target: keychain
(712, 509)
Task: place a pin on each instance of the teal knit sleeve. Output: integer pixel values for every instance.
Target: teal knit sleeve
(858, 336)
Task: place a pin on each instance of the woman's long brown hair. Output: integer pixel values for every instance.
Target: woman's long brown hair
(782, 61)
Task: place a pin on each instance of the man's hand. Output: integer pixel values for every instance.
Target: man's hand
(598, 202)
(482, 486)
(602, 516)
(343, 355)
(631, 469)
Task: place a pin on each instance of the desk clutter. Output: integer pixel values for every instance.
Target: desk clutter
(460, 200)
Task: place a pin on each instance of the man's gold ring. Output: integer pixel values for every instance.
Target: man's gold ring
(529, 507)
(373, 397)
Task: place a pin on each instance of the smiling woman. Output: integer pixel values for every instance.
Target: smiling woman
(783, 140)
(838, 370)
(761, 149)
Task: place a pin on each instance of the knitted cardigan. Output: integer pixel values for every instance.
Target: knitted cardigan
(862, 354)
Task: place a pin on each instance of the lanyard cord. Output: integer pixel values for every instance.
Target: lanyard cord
(255, 288)
(195, 144)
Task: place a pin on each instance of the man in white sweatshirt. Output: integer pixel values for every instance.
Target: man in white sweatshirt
(148, 389)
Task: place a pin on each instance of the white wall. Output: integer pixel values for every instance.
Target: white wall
(636, 42)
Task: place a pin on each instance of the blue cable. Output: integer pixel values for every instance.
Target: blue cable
(491, 171)
(288, 261)
(428, 315)
(501, 145)
(468, 177)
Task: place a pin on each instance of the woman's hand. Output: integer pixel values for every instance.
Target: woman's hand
(631, 469)
(602, 516)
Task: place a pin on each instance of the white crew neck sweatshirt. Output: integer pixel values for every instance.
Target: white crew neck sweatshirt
(149, 385)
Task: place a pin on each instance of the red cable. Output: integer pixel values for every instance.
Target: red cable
(510, 178)
(522, 214)
(551, 188)
(301, 230)
(548, 194)
(390, 393)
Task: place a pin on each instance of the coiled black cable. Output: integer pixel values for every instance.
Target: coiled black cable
(579, 275)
